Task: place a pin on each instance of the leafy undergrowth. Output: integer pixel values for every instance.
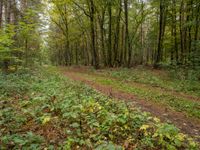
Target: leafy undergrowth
(190, 107)
(47, 111)
(174, 79)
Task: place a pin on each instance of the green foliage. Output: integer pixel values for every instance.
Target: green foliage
(14, 53)
(20, 35)
(108, 146)
(176, 79)
(8, 54)
(6, 37)
(165, 97)
(24, 141)
(15, 84)
(77, 117)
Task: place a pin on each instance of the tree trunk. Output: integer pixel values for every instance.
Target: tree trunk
(6, 14)
(116, 39)
(174, 32)
(189, 28)
(197, 23)
(110, 35)
(161, 32)
(92, 25)
(142, 35)
(103, 40)
(122, 49)
(181, 31)
(67, 50)
(76, 50)
(127, 41)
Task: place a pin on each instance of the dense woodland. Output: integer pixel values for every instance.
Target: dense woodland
(20, 35)
(117, 33)
(100, 74)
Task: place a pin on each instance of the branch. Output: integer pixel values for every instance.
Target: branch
(85, 12)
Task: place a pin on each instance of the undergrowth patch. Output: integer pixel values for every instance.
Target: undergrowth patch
(43, 109)
(173, 79)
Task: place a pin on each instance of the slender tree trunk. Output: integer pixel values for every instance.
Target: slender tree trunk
(127, 41)
(174, 32)
(122, 53)
(142, 34)
(15, 12)
(76, 51)
(67, 48)
(117, 33)
(87, 51)
(181, 31)
(102, 43)
(161, 32)
(8, 11)
(68, 58)
(172, 47)
(93, 45)
(97, 41)
(110, 35)
(189, 29)
(197, 23)
(101, 24)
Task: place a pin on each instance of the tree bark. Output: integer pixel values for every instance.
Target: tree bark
(101, 24)
(127, 41)
(110, 35)
(181, 13)
(174, 34)
(161, 32)
(117, 33)
(92, 25)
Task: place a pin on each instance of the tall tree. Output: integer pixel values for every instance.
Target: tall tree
(93, 36)
(110, 34)
(162, 20)
(127, 40)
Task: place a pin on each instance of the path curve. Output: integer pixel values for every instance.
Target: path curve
(187, 125)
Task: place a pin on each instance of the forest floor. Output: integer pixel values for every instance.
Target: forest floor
(156, 95)
(81, 108)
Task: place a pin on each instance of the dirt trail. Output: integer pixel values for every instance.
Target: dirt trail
(99, 73)
(188, 125)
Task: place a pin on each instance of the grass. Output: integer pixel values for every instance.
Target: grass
(164, 87)
(43, 110)
(174, 80)
(190, 107)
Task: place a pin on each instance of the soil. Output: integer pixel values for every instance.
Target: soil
(100, 73)
(187, 125)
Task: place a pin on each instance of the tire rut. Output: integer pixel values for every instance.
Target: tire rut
(187, 125)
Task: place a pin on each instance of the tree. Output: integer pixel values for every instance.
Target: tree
(162, 20)
(19, 24)
(127, 41)
(125, 33)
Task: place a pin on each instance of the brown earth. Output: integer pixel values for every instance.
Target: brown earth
(101, 73)
(187, 125)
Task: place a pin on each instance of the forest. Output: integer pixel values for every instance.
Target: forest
(99, 74)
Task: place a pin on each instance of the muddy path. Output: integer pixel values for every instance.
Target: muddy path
(187, 125)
